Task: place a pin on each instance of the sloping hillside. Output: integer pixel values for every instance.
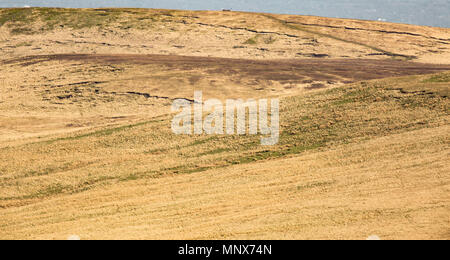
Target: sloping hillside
(219, 34)
(86, 146)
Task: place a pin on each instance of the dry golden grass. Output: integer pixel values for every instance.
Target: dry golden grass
(395, 187)
(240, 35)
(373, 160)
(86, 147)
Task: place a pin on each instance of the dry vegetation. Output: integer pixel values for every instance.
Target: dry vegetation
(86, 146)
(218, 34)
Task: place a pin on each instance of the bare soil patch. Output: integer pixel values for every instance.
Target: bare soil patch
(289, 70)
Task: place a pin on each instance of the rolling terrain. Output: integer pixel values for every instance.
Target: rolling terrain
(86, 147)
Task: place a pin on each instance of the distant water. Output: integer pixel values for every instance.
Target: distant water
(420, 12)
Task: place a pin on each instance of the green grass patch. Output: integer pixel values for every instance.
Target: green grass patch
(441, 78)
(252, 41)
(184, 169)
(213, 152)
(50, 190)
(100, 133)
(24, 44)
(22, 20)
(15, 15)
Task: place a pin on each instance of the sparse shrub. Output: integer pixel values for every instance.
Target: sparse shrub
(270, 40)
(252, 41)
